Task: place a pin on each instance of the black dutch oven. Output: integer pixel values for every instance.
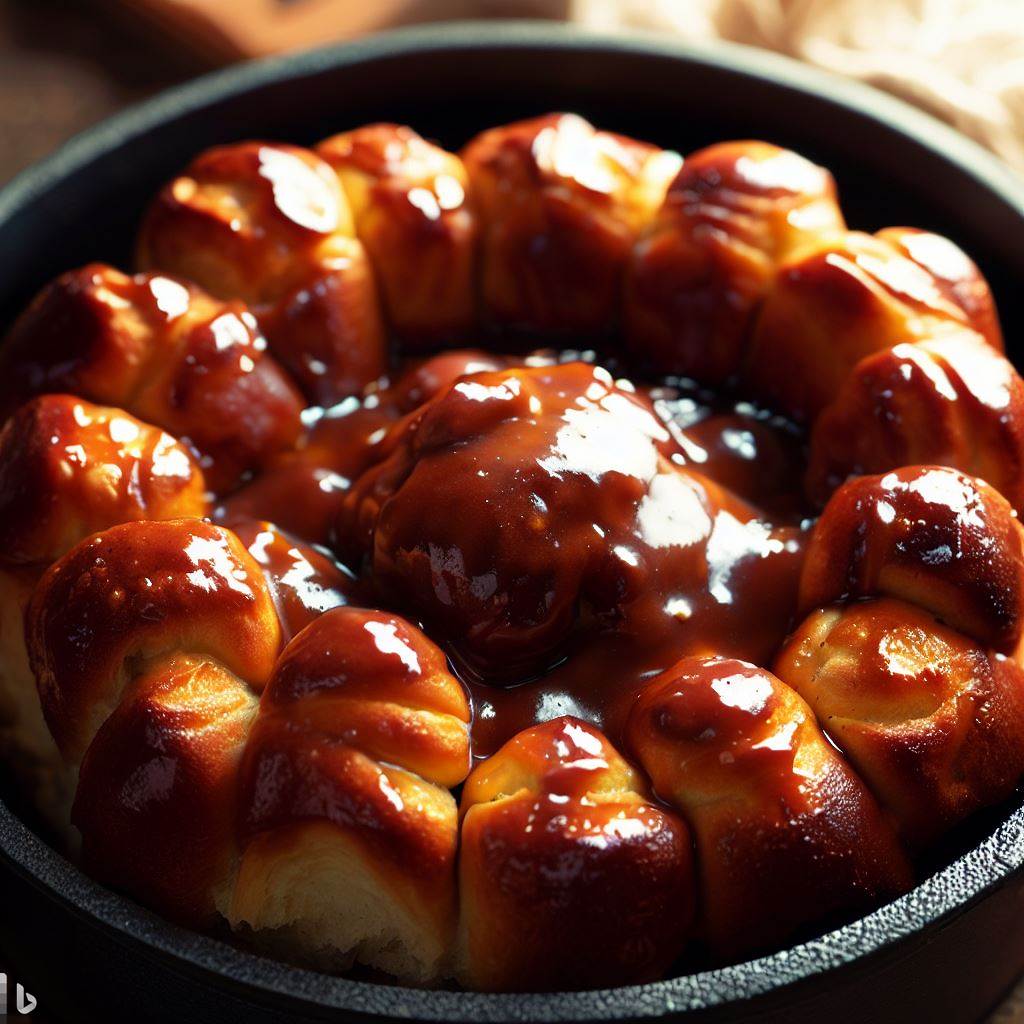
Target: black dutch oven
(946, 950)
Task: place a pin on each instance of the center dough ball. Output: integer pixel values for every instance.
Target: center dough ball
(520, 505)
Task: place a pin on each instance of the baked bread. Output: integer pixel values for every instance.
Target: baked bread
(832, 304)
(408, 200)
(67, 469)
(269, 224)
(348, 830)
(731, 216)
(452, 664)
(559, 206)
(581, 517)
(913, 582)
(953, 400)
(157, 701)
(166, 352)
(740, 754)
(559, 840)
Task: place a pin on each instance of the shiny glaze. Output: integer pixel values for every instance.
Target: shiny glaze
(408, 198)
(304, 582)
(363, 677)
(69, 468)
(955, 274)
(134, 592)
(558, 839)
(361, 726)
(756, 456)
(269, 224)
(837, 302)
(952, 400)
(302, 490)
(156, 791)
(590, 559)
(785, 832)
(559, 206)
(927, 535)
(932, 722)
(731, 214)
(165, 352)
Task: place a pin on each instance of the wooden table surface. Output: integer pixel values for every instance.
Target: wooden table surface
(63, 68)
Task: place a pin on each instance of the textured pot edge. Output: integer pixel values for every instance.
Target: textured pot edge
(946, 893)
(942, 896)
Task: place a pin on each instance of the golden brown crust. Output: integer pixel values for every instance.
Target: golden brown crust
(155, 802)
(955, 274)
(570, 877)
(69, 468)
(375, 682)
(360, 730)
(696, 277)
(292, 777)
(933, 722)
(359, 702)
(928, 535)
(249, 743)
(408, 199)
(267, 223)
(559, 206)
(952, 400)
(740, 755)
(137, 592)
(165, 352)
(832, 305)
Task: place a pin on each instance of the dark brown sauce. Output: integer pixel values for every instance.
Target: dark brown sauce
(730, 589)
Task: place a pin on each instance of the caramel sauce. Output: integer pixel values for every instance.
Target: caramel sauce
(674, 563)
(744, 613)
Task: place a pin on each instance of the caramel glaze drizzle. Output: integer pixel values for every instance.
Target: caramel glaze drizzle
(751, 537)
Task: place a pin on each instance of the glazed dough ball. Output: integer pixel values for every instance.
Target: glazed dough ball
(732, 214)
(69, 468)
(149, 643)
(952, 400)
(408, 199)
(559, 206)
(931, 720)
(268, 223)
(785, 832)
(927, 535)
(519, 504)
(837, 302)
(166, 352)
(569, 875)
(348, 829)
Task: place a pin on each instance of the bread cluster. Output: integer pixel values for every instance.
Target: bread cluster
(545, 566)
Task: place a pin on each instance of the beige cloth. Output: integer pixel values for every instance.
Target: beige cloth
(962, 60)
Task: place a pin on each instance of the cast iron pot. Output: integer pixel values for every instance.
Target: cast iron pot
(947, 949)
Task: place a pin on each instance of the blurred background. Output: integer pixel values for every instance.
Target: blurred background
(66, 64)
